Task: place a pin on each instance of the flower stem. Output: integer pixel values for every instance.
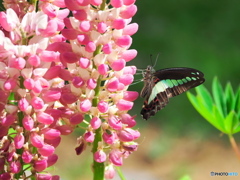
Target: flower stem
(234, 146)
(120, 174)
(98, 168)
(102, 7)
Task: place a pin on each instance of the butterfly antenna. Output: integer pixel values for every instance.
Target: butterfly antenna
(138, 73)
(136, 82)
(141, 70)
(156, 60)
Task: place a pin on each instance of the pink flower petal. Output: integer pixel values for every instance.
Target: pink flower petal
(124, 105)
(115, 123)
(89, 136)
(103, 69)
(129, 12)
(46, 150)
(84, 62)
(80, 14)
(128, 2)
(118, 64)
(37, 103)
(100, 156)
(130, 95)
(40, 165)
(129, 55)
(36, 140)
(76, 119)
(115, 156)
(116, 3)
(45, 118)
(28, 123)
(95, 122)
(19, 141)
(85, 105)
(101, 27)
(107, 48)
(102, 106)
(118, 23)
(23, 104)
(112, 85)
(124, 41)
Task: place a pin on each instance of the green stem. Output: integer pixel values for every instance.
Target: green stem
(98, 168)
(103, 5)
(234, 146)
(120, 174)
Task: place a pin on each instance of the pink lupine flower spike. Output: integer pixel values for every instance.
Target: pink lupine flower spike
(64, 64)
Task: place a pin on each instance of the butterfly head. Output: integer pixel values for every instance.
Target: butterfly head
(148, 72)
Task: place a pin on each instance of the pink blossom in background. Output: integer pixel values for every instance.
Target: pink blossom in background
(25, 37)
(63, 72)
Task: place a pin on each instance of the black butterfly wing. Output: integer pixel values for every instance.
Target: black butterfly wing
(168, 83)
(180, 80)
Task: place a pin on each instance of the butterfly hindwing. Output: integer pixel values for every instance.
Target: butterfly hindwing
(163, 84)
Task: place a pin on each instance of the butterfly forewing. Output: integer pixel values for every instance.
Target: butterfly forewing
(163, 84)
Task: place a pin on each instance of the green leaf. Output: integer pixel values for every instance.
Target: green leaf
(218, 120)
(192, 99)
(12, 132)
(238, 114)
(207, 100)
(229, 94)
(228, 122)
(197, 102)
(237, 102)
(216, 112)
(205, 111)
(218, 96)
(185, 177)
(236, 124)
(26, 166)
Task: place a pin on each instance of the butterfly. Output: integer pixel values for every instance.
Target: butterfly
(163, 84)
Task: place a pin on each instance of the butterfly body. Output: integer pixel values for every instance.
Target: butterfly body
(163, 84)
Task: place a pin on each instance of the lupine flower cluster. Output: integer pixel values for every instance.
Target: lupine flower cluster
(62, 64)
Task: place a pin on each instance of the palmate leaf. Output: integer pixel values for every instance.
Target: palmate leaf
(229, 95)
(232, 123)
(229, 122)
(237, 103)
(223, 110)
(209, 112)
(212, 115)
(236, 125)
(205, 97)
(218, 97)
(218, 120)
(206, 108)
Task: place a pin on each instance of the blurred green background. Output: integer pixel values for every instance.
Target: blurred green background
(186, 33)
(200, 34)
